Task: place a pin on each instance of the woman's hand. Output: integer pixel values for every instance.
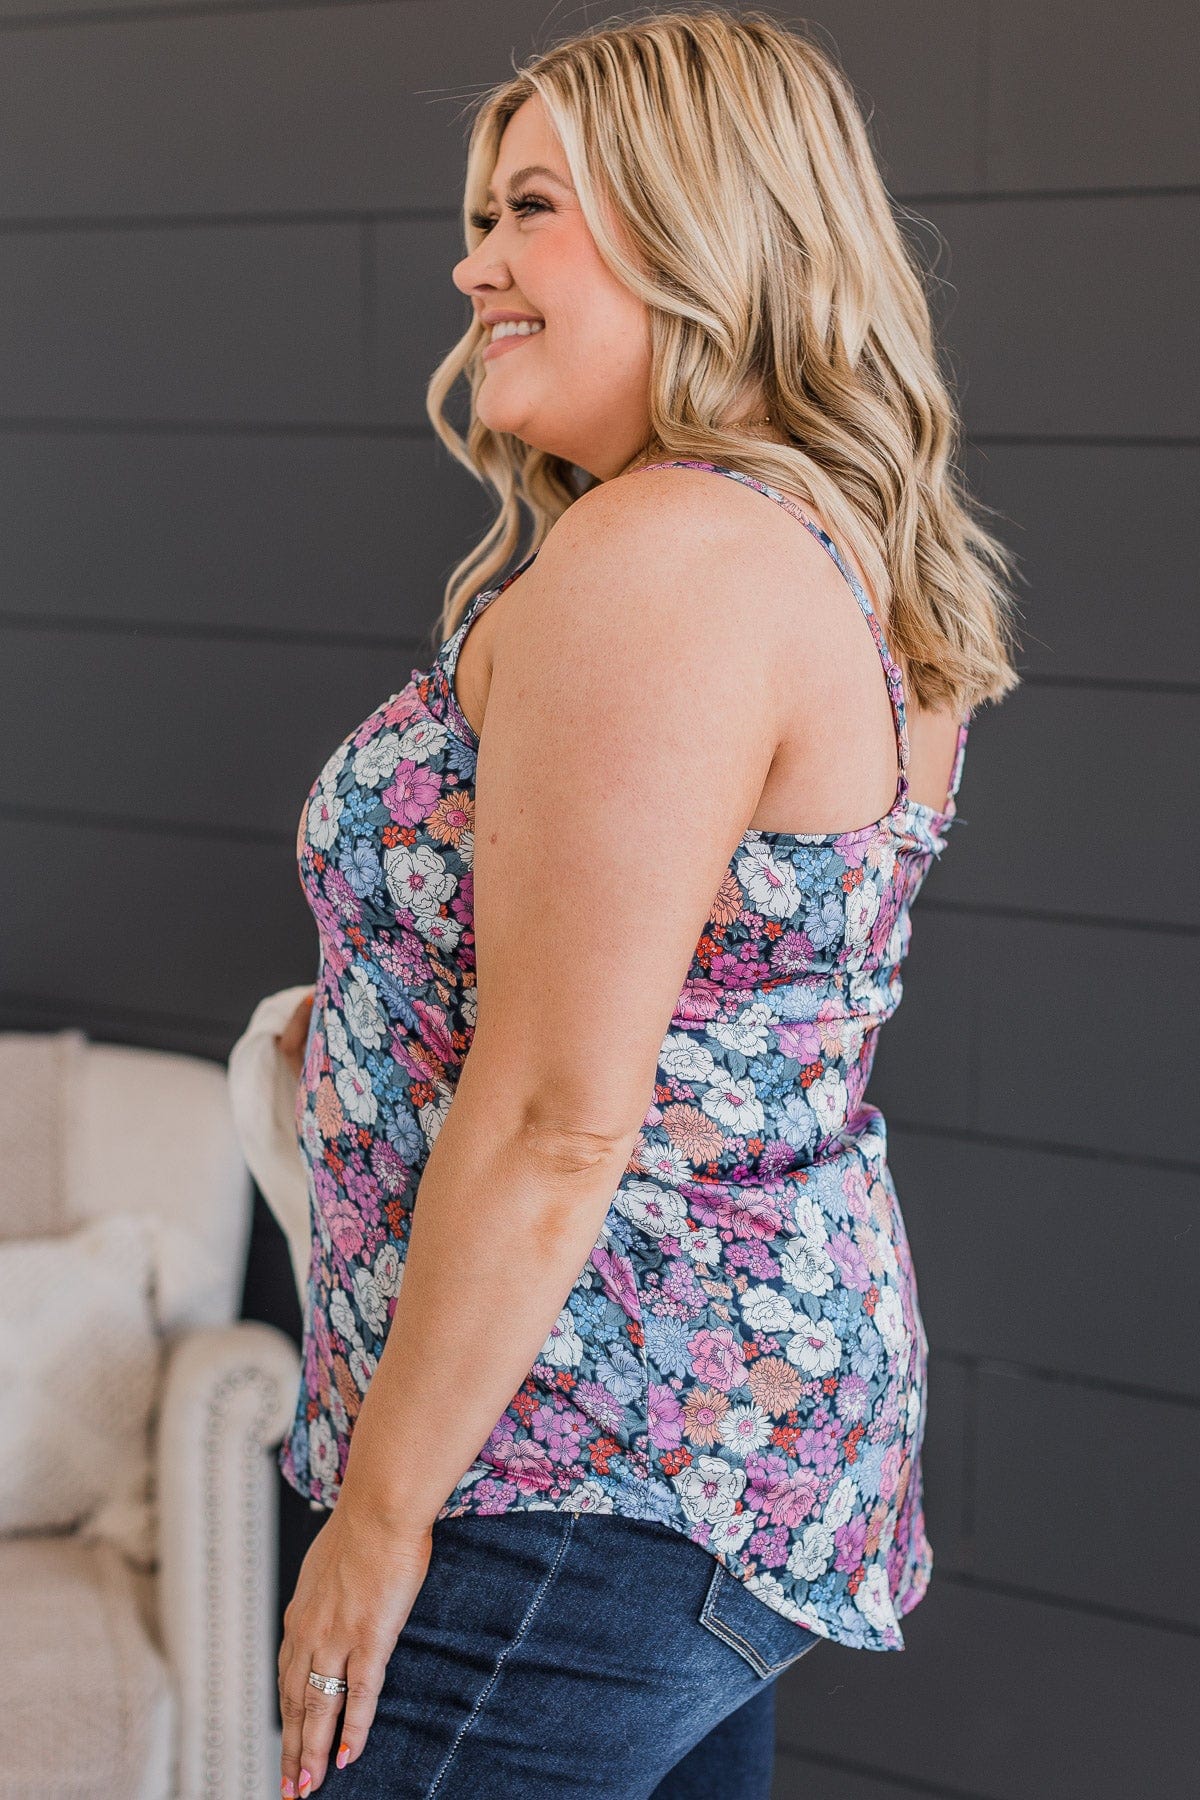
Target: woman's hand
(292, 1038)
(355, 1590)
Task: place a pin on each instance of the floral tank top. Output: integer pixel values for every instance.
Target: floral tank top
(742, 1356)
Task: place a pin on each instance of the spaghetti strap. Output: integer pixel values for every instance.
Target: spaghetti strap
(891, 669)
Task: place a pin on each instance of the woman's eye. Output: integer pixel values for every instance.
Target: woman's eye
(527, 202)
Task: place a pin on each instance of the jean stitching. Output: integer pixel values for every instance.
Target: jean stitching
(500, 1660)
(732, 1636)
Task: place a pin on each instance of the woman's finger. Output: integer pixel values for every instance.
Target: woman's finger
(309, 1717)
(365, 1675)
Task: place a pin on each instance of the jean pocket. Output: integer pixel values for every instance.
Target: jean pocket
(767, 1640)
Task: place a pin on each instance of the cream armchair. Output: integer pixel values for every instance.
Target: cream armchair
(150, 1679)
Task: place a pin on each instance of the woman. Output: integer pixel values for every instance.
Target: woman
(643, 1423)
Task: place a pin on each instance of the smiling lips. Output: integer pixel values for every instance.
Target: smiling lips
(508, 334)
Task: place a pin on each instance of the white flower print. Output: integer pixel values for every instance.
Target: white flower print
(418, 879)
(356, 1094)
(735, 1105)
(362, 1367)
(377, 760)
(431, 1115)
(333, 767)
(703, 1244)
(862, 909)
(442, 933)
(815, 1348)
(749, 1033)
(840, 1505)
(686, 1058)
(873, 1599)
(770, 884)
(324, 811)
(424, 738)
(654, 1210)
(808, 1268)
(564, 1347)
(913, 1412)
(389, 1271)
(708, 1488)
(336, 1041)
(889, 1321)
(370, 1302)
(588, 1497)
(810, 1220)
(341, 1316)
(664, 1163)
(766, 1309)
(745, 1428)
(322, 1450)
(828, 1098)
(731, 1533)
(363, 1012)
(812, 1554)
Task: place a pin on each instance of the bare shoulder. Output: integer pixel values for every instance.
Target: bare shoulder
(665, 537)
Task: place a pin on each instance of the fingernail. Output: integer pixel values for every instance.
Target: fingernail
(343, 1755)
(287, 1788)
(305, 1783)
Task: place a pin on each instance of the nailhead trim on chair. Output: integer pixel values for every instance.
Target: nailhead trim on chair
(216, 1694)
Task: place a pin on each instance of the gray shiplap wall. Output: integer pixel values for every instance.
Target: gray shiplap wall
(225, 241)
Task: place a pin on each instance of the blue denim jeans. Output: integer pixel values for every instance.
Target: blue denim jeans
(556, 1653)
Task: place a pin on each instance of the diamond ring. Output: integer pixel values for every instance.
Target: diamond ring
(328, 1684)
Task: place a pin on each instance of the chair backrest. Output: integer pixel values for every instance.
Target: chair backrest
(91, 1129)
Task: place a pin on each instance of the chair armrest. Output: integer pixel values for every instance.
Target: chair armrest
(228, 1394)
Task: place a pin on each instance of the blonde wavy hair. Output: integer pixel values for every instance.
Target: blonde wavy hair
(792, 278)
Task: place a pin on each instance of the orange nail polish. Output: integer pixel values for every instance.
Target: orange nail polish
(343, 1755)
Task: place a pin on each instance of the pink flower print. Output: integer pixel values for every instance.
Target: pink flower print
(491, 1497)
(799, 1039)
(700, 1001)
(770, 1546)
(345, 1228)
(362, 1191)
(852, 1401)
(412, 793)
(524, 1463)
(792, 1498)
(819, 1446)
(716, 1357)
(561, 1429)
(851, 1263)
(665, 1416)
(618, 1279)
(390, 1169)
(435, 1030)
(889, 1471)
(598, 1404)
(850, 1539)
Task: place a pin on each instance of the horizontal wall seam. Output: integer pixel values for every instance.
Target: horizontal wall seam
(965, 1134)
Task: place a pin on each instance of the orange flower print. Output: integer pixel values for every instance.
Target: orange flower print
(774, 1384)
(702, 1415)
(692, 1132)
(328, 1109)
(452, 818)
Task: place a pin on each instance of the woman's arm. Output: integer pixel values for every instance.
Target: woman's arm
(628, 735)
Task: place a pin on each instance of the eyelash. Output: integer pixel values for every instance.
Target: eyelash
(481, 221)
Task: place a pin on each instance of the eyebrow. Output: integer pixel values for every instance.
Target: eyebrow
(520, 175)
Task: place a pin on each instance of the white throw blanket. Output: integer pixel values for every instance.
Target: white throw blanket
(262, 1090)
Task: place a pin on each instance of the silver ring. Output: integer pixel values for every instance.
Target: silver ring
(328, 1684)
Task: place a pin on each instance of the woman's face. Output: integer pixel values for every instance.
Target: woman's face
(578, 386)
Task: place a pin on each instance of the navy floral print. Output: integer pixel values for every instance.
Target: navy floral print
(742, 1356)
